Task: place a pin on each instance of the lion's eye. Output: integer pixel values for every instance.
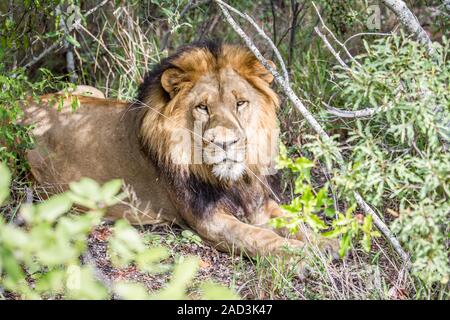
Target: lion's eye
(240, 104)
(202, 108)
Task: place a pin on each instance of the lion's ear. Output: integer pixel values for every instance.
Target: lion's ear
(265, 74)
(170, 79)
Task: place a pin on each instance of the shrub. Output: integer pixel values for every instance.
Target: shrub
(398, 158)
(42, 259)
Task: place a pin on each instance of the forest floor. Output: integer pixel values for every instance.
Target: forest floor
(358, 276)
(377, 275)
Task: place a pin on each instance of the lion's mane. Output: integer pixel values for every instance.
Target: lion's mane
(193, 184)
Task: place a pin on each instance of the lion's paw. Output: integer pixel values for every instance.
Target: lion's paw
(330, 247)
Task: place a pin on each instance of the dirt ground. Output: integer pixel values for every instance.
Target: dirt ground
(358, 276)
(214, 265)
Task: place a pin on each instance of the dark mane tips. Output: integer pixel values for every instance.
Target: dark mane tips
(153, 77)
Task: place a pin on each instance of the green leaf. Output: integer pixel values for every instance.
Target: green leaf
(54, 207)
(85, 187)
(51, 282)
(72, 41)
(214, 291)
(110, 189)
(82, 284)
(345, 244)
(367, 224)
(131, 291)
(334, 233)
(5, 181)
(315, 222)
(366, 242)
(13, 237)
(150, 260)
(183, 274)
(11, 266)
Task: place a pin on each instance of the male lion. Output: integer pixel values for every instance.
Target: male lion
(196, 147)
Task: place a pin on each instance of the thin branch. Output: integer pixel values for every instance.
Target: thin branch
(274, 21)
(334, 37)
(367, 34)
(368, 112)
(262, 34)
(335, 54)
(92, 10)
(295, 8)
(70, 62)
(166, 36)
(314, 124)
(351, 114)
(55, 45)
(410, 22)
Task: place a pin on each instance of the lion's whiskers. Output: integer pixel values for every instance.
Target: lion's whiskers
(144, 105)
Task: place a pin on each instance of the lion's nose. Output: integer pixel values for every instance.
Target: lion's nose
(221, 137)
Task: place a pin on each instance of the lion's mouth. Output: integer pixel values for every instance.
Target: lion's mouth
(225, 164)
(228, 169)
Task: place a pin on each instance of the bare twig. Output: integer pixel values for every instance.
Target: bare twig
(55, 45)
(262, 34)
(335, 54)
(295, 8)
(274, 21)
(70, 62)
(314, 124)
(368, 112)
(367, 34)
(410, 22)
(334, 37)
(351, 114)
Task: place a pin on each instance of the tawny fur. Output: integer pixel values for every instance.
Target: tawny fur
(107, 139)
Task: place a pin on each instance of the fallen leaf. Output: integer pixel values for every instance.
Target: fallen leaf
(396, 293)
(124, 273)
(392, 212)
(204, 264)
(101, 233)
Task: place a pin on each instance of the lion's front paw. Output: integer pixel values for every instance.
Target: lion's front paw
(329, 247)
(325, 245)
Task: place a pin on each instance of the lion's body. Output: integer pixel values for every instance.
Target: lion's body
(226, 197)
(71, 145)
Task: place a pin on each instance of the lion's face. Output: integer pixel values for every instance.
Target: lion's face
(226, 106)
(220, 121)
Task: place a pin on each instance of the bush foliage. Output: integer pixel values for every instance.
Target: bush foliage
(398, 158)
(43, 258)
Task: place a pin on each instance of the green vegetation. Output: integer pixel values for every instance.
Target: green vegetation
(398, 159)
(42, 259)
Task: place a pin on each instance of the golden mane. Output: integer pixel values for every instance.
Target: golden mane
(154, 106)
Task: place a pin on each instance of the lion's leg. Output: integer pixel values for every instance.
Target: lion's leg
(272, 210)
(227, 233)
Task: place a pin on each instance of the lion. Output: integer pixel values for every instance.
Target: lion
(197, 148)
